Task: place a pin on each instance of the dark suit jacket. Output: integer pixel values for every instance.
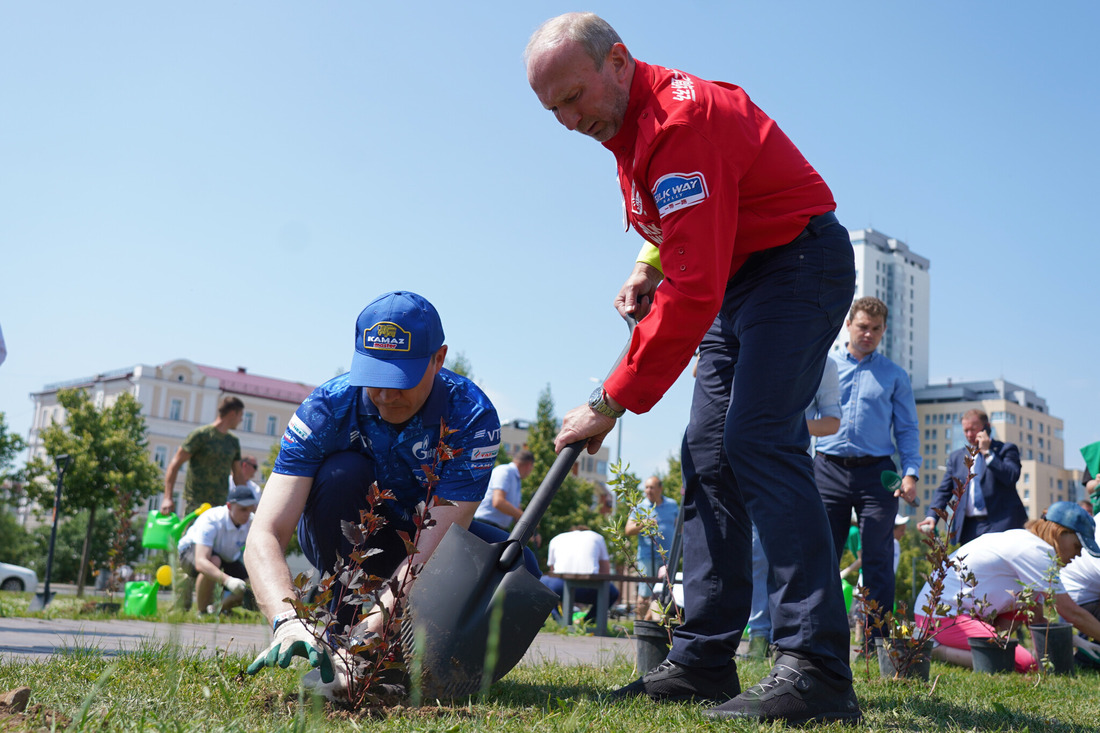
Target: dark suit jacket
(998, 483)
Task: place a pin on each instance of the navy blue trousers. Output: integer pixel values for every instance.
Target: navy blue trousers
(339, 493)
(860, 488)
(744, 454)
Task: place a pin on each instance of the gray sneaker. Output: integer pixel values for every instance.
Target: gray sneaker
(673, 682)
(795, 691)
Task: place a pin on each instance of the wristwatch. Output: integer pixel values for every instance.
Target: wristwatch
(598, 402)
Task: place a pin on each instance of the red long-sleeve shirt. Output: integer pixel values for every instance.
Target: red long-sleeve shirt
(709, 179)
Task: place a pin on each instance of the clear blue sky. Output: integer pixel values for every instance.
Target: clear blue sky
(231, 183)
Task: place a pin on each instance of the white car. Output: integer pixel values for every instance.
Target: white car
(17, 578)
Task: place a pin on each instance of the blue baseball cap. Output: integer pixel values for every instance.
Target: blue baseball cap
(1072, 516)
(395, 337)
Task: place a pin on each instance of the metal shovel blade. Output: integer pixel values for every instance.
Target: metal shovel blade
(40, 600)
(452, 609)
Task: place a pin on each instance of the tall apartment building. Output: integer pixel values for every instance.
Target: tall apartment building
(887, 269)
(177, 397)
(1017, 415)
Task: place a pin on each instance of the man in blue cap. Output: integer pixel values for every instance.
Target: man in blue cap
(379, 422)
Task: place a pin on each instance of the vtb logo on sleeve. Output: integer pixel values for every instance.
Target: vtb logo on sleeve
(387, 336)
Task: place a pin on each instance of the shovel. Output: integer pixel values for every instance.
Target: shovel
(475, 608)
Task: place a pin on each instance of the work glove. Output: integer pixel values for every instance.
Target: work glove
(236, 587)
(313, 681)
(295, 639)
(1090, 649)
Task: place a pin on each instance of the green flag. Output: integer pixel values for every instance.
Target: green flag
(1091, 454)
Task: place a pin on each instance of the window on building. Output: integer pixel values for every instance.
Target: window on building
(1027, 478)
(160, 457)
(271, 424)
(175, 410)
(1059, 484)
(1029, 424)
(1030, 455)
(246, 424)
(1027, 493)
(1029, 441)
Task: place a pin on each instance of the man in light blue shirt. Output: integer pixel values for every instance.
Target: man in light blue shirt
(652, 550)
(502, 502)
(876, 397)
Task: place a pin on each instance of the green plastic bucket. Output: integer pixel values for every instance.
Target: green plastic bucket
(141, 598)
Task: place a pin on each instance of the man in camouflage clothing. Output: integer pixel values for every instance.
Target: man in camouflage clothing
(213, 452)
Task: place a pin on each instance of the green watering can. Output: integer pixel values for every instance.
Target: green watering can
(159, 528)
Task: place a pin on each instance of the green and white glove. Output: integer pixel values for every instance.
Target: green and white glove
(1089, 649)
(295, 639)
(235, 586)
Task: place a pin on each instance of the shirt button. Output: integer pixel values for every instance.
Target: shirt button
(682, 268)
(681, 250)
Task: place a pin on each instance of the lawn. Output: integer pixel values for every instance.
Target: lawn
(162, 687)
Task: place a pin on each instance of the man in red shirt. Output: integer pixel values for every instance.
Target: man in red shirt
(746, 262)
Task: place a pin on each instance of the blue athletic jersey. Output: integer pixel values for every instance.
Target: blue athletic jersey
(338, 417)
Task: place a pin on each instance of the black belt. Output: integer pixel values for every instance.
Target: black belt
(854, 461)
(815, 225)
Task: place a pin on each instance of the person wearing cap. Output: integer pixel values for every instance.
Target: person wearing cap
(210, 551)
(381, 422)
(1002, 563)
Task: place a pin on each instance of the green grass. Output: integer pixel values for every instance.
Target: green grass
(162, 687)
(72, 607)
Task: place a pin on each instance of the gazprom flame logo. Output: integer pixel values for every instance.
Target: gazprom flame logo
(387, 336)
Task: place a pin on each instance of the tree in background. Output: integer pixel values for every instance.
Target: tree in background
(11, 444)
(460, 365)
(573, 503)
(108, 457)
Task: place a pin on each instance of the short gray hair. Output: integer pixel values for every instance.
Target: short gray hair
(594, 34)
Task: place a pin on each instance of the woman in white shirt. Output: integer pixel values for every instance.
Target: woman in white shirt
(1002, 564)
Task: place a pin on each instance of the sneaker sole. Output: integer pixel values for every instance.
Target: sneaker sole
(844, 718)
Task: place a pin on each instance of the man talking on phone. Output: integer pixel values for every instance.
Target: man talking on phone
(990, 503)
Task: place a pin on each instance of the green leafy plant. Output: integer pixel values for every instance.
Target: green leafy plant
(907, 641)
(371, 660)
(624, 485)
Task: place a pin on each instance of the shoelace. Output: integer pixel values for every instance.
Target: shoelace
(772, 681)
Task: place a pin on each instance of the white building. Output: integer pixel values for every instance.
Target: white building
(889, 271)
(177, 397)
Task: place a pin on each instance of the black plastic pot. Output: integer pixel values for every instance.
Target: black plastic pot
(652, 643)
(990, 657)
(1055, 642)
(897, 659)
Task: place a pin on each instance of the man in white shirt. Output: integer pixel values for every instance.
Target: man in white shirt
(580, 551)
(210, 551)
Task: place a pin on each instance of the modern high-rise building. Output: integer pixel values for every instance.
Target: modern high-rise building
(887, 269)
(1017, 415)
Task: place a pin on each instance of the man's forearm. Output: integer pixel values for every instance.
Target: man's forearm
(268, 573)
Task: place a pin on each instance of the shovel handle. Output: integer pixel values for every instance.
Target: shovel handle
(548, 489)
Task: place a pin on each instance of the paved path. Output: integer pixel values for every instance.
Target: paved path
(36, 639)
